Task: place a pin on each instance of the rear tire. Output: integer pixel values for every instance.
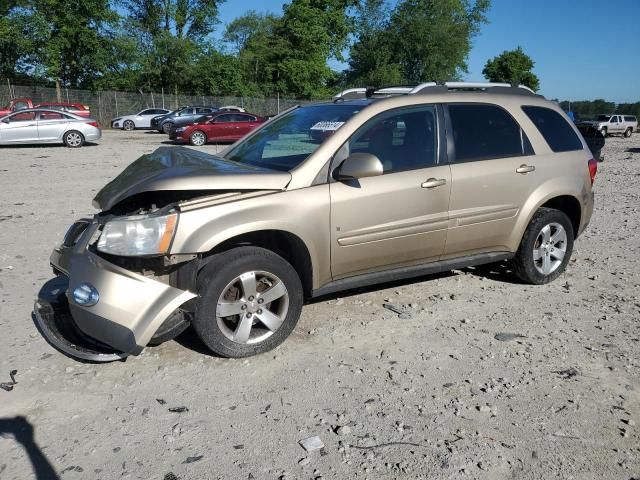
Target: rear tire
(128, 125)
(628, 132)
(249, 302)
(545, 248)
(73, 139)
(166, 128)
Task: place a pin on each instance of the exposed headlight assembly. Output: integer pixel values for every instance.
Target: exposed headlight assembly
(138, 235)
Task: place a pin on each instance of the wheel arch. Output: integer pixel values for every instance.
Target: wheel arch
(567, 202)
(570, 206)
(281, 242)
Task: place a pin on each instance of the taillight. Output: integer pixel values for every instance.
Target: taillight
(593, 169)
(97, 125)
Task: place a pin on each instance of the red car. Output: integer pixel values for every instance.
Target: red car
(73, 108)
(221, 127)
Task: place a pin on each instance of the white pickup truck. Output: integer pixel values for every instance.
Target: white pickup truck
(614, 123)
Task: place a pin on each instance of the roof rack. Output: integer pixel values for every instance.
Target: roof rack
(432, 87)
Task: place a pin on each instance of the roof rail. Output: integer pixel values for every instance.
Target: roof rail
(432, 87)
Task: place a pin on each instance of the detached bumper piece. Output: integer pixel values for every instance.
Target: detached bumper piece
(54, 321)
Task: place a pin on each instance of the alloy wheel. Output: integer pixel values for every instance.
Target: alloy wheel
(128, 125)
(198, 139)
(252, 307)
(550, 248)
(74, 139)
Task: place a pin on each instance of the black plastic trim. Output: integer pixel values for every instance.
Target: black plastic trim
(409, 272)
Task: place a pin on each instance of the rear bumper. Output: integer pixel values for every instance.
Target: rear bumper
(92, 136)
(588, 201)
(131, 307)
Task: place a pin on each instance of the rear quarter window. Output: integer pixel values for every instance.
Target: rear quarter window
(630, 119)
(554, 128)
(485, 131)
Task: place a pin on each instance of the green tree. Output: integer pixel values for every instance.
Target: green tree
(253, 40)
(172, 36)
(514, 67)
(372, 59)
(76, 48)
(17, 39)
(309, 33)
(246, 29)
(421, 40)
(433, 38)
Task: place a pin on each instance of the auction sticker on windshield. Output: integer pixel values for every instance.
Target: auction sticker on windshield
(327, 126)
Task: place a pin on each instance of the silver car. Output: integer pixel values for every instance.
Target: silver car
(142, 119)
(40, 125)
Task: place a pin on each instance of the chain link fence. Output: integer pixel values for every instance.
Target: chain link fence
(111, 104)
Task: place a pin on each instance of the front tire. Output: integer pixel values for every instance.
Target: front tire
(249, 302)
(545, 248)
(73, 139)
(128, 125)
(198, 138)
(166, 128)
(604, 132)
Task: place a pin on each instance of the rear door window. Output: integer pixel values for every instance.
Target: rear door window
(554, 128)
(52, 116)
(484, 131)
(226, 118)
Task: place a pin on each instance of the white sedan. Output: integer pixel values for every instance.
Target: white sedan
(141, 119)
(41, 125)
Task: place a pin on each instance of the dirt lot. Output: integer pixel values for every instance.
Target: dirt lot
(439, 395)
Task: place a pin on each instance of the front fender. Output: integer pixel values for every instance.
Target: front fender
(302, 212)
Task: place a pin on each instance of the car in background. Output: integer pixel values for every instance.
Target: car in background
(613, 123)
(184, 121)
(594, 139)
(231, 108)
(224, 127)
(15, 105)
(40, 125)
(73, 108)
(24, 103)
(164, 123)
(142, 119)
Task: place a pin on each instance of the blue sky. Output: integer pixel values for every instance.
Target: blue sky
(583, 49)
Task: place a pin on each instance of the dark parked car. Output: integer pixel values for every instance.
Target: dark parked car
(595, 140)
(164, 123)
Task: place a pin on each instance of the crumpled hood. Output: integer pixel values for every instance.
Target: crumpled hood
(180, 168)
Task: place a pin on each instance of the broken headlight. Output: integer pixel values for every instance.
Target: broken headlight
(138, 235)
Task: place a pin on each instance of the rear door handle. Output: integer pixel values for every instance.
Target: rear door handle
(525, 168)
(434, 182)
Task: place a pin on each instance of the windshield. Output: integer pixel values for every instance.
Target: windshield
(604, 118)
(284, 143)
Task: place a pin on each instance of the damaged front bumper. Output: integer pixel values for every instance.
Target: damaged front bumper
(130, 309)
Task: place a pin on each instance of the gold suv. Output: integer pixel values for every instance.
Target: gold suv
(375, 185)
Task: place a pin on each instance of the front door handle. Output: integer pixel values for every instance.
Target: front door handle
(525, 168)
(434, 182)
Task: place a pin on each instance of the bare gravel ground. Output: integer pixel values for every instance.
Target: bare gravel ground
(436, 394)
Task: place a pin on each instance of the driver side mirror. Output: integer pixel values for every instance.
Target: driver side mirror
(359, 165)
